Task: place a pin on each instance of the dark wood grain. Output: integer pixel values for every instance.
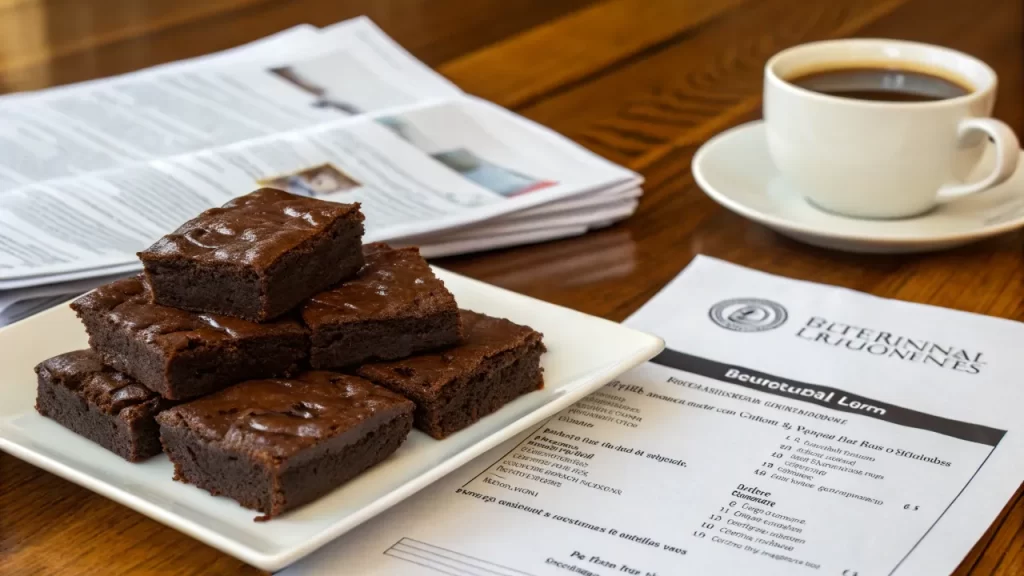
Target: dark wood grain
(643, 82)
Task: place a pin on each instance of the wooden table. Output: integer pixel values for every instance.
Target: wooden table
(642, 82)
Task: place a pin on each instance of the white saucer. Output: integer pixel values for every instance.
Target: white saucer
(735, 170)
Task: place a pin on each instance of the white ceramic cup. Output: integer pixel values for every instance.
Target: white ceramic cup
(875, 159)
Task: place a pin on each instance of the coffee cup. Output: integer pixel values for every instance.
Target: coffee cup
(882, 128)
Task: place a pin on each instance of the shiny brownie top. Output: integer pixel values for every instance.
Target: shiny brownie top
(109, 390)
(423, 377)
(127, 304)
(392, 284)
(253, 231)
(276, 418)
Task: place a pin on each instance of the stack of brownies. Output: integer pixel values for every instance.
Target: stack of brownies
(274, 357)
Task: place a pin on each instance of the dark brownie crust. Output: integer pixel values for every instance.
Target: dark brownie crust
(181, 354)
(273, 445)
(496, 362)
(256, 257)
(111, 409)
(394, 307)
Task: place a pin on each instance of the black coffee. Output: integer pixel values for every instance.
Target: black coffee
(882, 84)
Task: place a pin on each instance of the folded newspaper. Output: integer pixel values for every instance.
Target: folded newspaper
(93, 172)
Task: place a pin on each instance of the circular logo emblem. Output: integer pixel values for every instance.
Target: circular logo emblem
(748, 314)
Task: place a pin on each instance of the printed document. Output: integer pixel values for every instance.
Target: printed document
(788, 428)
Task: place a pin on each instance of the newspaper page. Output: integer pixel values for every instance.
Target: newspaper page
(183, 108)
(414, 170)
(789, 428)
(92, 172)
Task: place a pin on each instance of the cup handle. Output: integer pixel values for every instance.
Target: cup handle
(1007, 154)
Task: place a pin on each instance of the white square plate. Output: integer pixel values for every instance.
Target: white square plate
(584, 353)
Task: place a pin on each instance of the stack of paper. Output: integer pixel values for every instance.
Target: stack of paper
(94, 172)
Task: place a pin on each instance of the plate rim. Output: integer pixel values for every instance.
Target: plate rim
(722, 138)
(647, 346)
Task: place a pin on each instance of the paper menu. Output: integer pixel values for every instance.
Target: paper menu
(789, 428)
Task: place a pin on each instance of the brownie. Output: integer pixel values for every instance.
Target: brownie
(256, 257)
(496, 362)
(394, 307)
(96, 402)
(181, 354)
(276, 444)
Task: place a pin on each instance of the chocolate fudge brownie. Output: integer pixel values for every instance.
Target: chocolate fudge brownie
(256, 257)
(276, 444)
(105, 406)
(496, 362)
(181, 354)
(394, 307)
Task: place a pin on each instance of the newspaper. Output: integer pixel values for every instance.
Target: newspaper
(94, 172)
(151, 115)
(788, 428)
